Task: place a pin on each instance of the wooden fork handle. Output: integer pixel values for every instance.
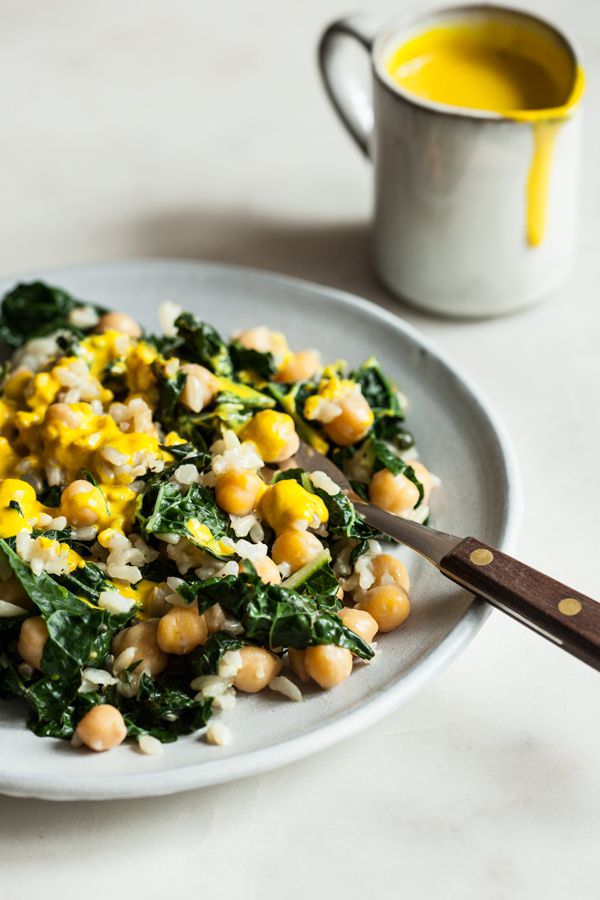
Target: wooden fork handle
(555, 611)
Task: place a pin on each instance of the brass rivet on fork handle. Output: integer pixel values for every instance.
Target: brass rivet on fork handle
(569, 606)
(482, 556)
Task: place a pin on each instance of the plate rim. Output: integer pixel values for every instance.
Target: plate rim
(190, 777)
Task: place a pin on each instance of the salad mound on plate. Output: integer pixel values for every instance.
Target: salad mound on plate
(159, 550)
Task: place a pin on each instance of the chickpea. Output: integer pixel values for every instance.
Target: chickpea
(388, 569)
(274, 434)
(296, 659)
(286, 505)
(256, 338)
(62, 414)
(102, 728)
(181, 630)
(396, 493)
(13, 591)
(238, 491)
(296, 548)
(388, 604)
(215, 618)
(200, 387)
(264, 340)
(302, 366)
(82, 503)
(143, 637)
(155, 601)
(259, 667)
(328, 664)
(354, 421)
(32, 640)
(424, 476)
(360, 622)
(266, 570)
(118, 321)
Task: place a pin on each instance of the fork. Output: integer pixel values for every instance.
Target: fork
(556, 612)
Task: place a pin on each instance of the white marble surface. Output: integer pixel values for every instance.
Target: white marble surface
(200, 130)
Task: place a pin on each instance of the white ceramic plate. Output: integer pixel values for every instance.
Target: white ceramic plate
(459, 439)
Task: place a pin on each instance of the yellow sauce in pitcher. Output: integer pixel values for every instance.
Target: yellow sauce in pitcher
(501, 67)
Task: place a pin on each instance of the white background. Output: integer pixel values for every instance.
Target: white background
(200, 129)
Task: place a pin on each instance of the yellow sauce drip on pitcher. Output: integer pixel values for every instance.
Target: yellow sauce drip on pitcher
(499, 67)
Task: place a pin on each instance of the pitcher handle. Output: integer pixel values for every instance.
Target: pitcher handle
(351, 98)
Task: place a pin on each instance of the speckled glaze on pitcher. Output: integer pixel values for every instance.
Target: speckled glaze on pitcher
(454, 187)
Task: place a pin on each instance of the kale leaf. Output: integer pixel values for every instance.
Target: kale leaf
(292, 402)
(168, 511)
(322, 587)
(387, 459)
(34, 310)
(199, 342)
(160, 569)
(64, 537)
(165, 708)
(234, 406)
(344, 520)
(248, 359)
(87, 581)
(78, 634)
(377, 389)
(188, 452)
(50, 496)
(169, 392)
(205, 660)
(272, 615)
(391, 429)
